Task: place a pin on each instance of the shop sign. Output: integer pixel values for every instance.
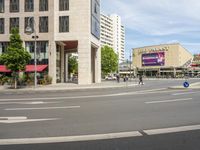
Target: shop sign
(153, 50)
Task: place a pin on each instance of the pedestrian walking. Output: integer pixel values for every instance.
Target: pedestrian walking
(141, 80)
(124, 78)
(118, 78)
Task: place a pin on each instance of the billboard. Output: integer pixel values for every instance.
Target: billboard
(153, 59)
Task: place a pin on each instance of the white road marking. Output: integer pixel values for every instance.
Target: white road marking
(37, 103)
(172, 130)
(168, 101)
(176, 94)
(95, 96)
(28, 103)
(43, 108)
(13, 118)
(62, 139)
(9, 120)
(69, 138)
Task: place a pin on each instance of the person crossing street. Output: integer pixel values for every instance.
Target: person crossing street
(141, 80)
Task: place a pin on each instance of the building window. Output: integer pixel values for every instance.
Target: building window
(63, 5)
(3, 47)
(14, 23)
(43, 5)
(29, 20)
(42, 46)
(64, 24)
(14, 5)
(1, 25)
(43, 25)
(2, 6)
(42, 51)
(95, 8)
(29, 6)
(30, 46)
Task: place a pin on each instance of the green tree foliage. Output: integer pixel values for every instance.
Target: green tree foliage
(16, 57)
(109, 60)
(73, 65)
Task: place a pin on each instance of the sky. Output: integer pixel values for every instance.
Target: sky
(153, 22)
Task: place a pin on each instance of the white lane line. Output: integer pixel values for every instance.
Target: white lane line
(13, 118)
(43, 108)
(172, 130)
(28, 103)
(23, 120)
(168, 101)
(69, 138)
(161, 90)
(185, 93)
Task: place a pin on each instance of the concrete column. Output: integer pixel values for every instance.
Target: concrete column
(52, 61)
(62, 65)
(159, 72)
(84, 62)
(66, 68)
(98, 66)
(174, 72)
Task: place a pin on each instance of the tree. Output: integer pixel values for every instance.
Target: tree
(16, 57)
(73, 65)
(109, 60)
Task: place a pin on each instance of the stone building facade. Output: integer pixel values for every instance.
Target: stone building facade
(62, 27)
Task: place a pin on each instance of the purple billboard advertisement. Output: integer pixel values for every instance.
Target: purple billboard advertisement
(153, 59)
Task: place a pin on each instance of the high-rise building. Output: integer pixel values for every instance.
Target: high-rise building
(62, 27)
(113, 34)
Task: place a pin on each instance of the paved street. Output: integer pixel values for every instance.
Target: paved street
(149, 116)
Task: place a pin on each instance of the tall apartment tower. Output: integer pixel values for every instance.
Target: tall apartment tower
(62, 27)
(113, 34)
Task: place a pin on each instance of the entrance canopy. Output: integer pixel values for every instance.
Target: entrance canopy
(29, 68)
(71, 46)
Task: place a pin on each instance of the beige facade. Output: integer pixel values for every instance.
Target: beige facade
(165, 59)
(78, 39)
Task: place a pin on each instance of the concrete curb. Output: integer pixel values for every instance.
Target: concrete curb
(182, 88)
(40, 89)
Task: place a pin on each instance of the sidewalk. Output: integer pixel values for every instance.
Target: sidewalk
(71, 86)
(192, 86)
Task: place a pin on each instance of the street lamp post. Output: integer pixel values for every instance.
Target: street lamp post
(130, 65)
(30, 30)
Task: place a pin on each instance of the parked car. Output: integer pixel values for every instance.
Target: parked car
(110, 78)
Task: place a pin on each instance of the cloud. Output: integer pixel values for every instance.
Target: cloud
(163, 17)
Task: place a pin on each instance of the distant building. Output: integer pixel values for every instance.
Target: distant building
(113, 34)
(194, 69)
(166, 60)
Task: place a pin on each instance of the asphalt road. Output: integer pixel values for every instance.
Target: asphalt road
(121, 118)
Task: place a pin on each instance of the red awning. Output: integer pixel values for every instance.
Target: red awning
(29, 68)
(194, 65)
(4, 69)
(39, 68)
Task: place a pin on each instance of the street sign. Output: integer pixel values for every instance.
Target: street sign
(186, 84)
